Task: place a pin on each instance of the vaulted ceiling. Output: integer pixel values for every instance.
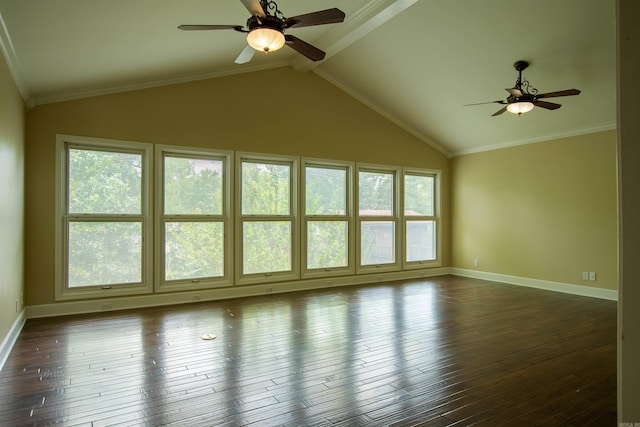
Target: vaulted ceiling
(417, 62)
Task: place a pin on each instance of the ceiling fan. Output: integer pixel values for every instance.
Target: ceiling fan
(523, 97)
(266, 26)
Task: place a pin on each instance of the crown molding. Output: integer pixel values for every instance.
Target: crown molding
(147, 84)
(9, 54)
(557, 135)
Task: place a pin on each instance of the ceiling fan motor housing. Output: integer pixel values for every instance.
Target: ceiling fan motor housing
(268, 21)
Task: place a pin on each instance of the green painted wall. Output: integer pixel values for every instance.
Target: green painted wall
(278, 111)
(12, 119)
(544, 211)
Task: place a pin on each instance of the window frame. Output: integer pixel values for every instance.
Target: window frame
(349, 168)
(437, 262)
(161, 283)
(63, 218)
(395, 218)
(240, 218)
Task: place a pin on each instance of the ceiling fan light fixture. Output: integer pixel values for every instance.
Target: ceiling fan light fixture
(265, 39)
(520, 107)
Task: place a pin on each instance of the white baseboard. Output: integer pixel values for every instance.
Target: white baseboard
(153, 300)
(566, 288)
(11, 338)
(141, 301)
(79, 307)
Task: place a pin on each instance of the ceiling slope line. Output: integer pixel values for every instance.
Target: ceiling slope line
(558, 135)
(148, 84)
(365, 20)
(9, 54)
(422, 137)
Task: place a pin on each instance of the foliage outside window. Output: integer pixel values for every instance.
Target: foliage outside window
(420, 219)
(356, 219)
(377, 201)
(266, 217)
(327, 217)
(194, 217)
(104, 218)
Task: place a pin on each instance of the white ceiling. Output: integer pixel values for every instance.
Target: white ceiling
(417, 62)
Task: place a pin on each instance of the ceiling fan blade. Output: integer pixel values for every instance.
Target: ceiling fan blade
(567, 92)
(304, 48)
(254, 7)
(329, 16)
(500, 111)
(210, 27)
(515, 92)
(547, 105)
(488, 102)
(246, 55)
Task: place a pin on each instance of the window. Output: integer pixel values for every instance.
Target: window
(103, 226)
(221, 219)
(378, 217)
(420, 220)
(267, 238)
(194, 218)
(327, 218)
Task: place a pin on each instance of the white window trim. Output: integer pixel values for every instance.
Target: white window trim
(273, 277)
(349, 217)
(162, 285)
(396, 218)
(62, 291)
(437, 262)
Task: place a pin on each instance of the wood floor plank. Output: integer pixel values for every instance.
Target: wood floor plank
(442, 351)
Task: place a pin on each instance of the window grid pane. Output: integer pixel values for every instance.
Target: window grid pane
(326, 191)
(327, 244)
(421, 241)
(266, 247)
(378, 242)
(418, 195)
(194, 250)
(193, 186)
(376, 193)
(266, 189)
(104, 253)
(104, 182)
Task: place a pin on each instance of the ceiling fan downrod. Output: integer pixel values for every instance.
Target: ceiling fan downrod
(523, 85)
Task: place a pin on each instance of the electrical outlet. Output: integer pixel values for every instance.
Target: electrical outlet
(585, 275)
(592, 275)
(476, 263)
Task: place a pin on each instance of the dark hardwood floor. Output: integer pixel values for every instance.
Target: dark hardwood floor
(440, 351)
